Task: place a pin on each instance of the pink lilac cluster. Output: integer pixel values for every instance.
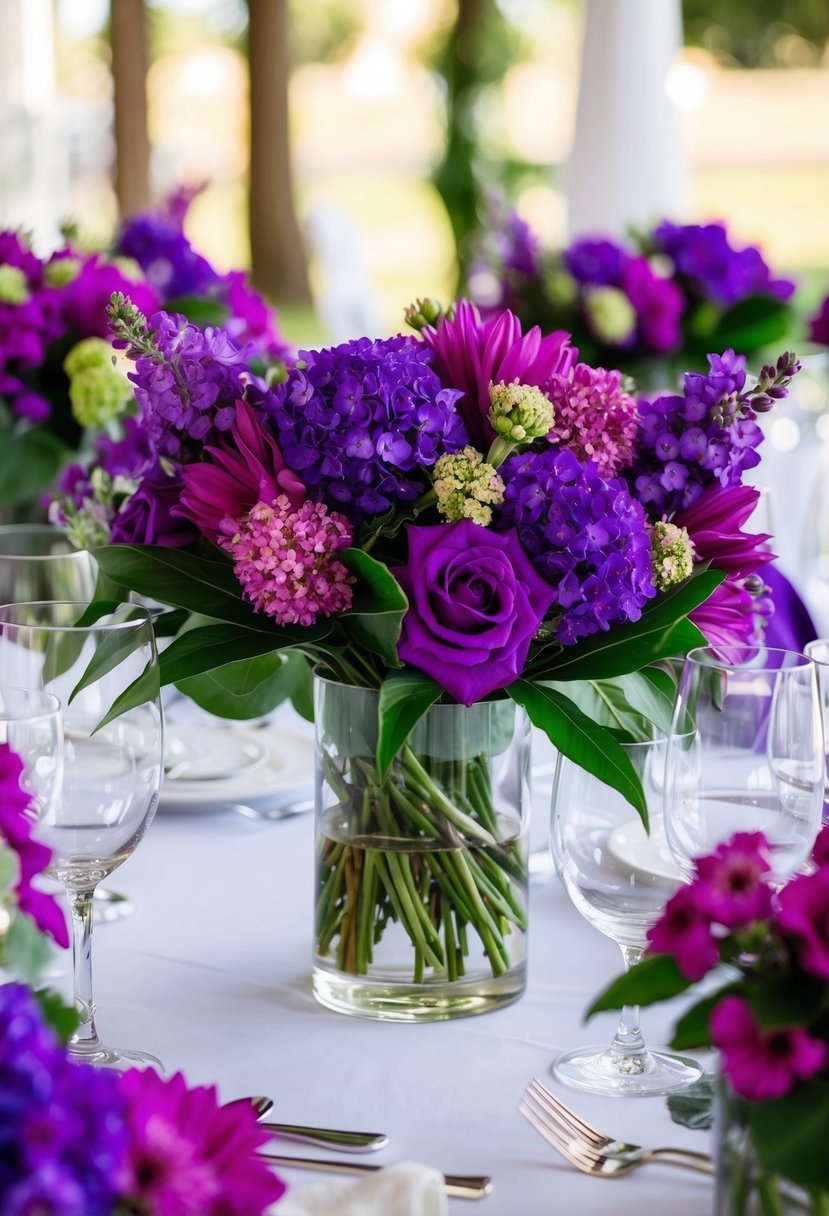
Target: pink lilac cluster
(708, 434)
(16, 820)
(730, 913)
(361, 422)
(285, 560)
(82, 1141)
(585, 535)
(712, 267)
(594, 417)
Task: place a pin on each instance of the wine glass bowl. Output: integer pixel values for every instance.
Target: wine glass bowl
(746, 755)
(618, 876)
(103, 668)
(39, 562)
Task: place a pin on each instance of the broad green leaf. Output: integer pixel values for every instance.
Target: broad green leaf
(692, 1028)
(404, 699)
(581, 740)
(247, 688)
(27, 950)
(376, 615)
(645, 698)
(787, 1001)
(208, 647)
(753, 323)
(199, 310)
(9, 868)
(656, 978)
(29, 465)
(792, 1132)
(661, 632)
(94, 611)
(630, 703)
(110, 651)
(694, 1105)
(62, 651)
(64, 1019)
(143, 689)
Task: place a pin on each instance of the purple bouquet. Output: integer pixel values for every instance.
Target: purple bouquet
(768, 1016)
(470, 513)
(667, 294)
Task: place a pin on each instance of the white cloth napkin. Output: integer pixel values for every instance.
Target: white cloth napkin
(406, 1189)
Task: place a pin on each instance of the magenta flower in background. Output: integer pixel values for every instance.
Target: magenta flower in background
(471, 354)
(16, 821)
(237, 474)
(762, 1065)
(84, 301)
(684, 930)
(475, 602)
(820, 851)
(819, 324)
(659, 304)
(594, 417)
(731, 880)
(189, 1156)
(804, 916)
(150, 515)
(286, 559)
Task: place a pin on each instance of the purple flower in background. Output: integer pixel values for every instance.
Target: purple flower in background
(804, 916)
(731, 881)
(819, 324)
(586, 536)
(820, 851)
(475, 603)
(250, 321)
(359, 422)
(595, 261)
(84, 300)
(29, 313)
(173, 268)
(762, 1065)
(659, 304)
(149, 516)
(714, 268)
(684, 930)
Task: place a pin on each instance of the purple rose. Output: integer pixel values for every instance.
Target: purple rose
(475, 602)
(804, 915)
(147, 517)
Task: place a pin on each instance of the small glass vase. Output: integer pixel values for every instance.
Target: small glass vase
(743, 1185)
(421, 876)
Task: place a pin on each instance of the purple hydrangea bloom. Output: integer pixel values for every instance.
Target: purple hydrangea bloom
(359, 422)
(188, 392)
(585, 535)
(686, 442)
(714, 268)
(63, 1135)
(597, 261)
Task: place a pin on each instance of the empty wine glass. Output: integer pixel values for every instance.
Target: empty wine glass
(104, 671)
(38, 562)
(818, 652)
(748, 755)
(619, 877)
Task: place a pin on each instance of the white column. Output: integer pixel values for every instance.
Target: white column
(627, 165)
(33, 156)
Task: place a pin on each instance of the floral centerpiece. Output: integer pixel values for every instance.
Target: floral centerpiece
(82, 1141)
(467, 519)
(767, 1015)
(665, 295)
(60, 382)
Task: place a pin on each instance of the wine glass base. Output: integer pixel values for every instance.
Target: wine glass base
(599, 1070)
(113, 1057)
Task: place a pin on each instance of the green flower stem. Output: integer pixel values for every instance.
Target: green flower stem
(820, 1203)
(768, 1192)
(368, 903)
(436, 797)
(499, 450)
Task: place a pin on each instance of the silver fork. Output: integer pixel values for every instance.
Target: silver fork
(590, 1150)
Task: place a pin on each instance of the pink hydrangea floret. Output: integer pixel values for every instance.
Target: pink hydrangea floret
(286, 559)
(762, 1065)
(594, 417)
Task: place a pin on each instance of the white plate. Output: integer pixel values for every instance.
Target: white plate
(642, 854)
(285, 773)
(194, 754)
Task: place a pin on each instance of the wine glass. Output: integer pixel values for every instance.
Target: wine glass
(619, 877)
(818, 652)
(749, 757)
(104, 671)
(38, 562)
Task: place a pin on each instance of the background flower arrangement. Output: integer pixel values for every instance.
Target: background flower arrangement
(668, 294)
(768, 1015)
(462, 515)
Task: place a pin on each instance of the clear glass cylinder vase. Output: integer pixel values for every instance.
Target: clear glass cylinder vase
(421, 873)
(744, 1186)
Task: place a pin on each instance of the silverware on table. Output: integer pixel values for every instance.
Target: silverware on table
(458, 1186)
(590, 1150)
(325, 1137)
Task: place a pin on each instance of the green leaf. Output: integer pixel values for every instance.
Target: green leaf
(27, 950)
(786, 1001)
(29, 465)
(581, 740)
(63, 649)
(404, 699)
(646, 698)
(694, 1106)
(208, 647)
(199, 310)
(246, 688)
(791, 1134)
(656, 978)
(64, 1019)
(661, 632)
(145, 688)
(376, 615)
(753, 323)
(692, 1028)
(110, 651)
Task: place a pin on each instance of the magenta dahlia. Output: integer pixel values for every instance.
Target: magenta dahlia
(594, 417)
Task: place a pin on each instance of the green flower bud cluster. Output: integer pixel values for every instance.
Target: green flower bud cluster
(98, 389)
(519, 412)
(427, 312)
(672, 554)
(562, 288)
(611, 315)
(62, 271)
(466, 487)
(89, 525)
(129, 268)
(14, 287)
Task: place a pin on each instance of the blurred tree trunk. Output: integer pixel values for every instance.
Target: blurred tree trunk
(128, 32)
(279, 265)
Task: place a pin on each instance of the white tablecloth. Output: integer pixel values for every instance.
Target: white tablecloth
(212, 974)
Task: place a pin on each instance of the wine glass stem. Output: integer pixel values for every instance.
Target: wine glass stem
(628, 1040)
(85, 1039)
